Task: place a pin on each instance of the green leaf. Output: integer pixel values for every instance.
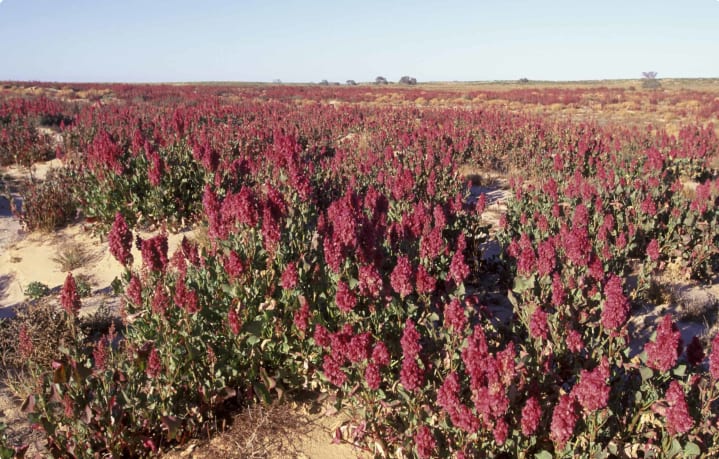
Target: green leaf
(522, 284)
(676, 448)
(262, 392)
(544, 454)
(646, 373)
(680, 370)
(692, 450)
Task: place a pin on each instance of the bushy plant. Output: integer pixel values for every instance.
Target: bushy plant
(49, 204)
(36, 290)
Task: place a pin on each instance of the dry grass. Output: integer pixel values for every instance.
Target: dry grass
(71, 256)
(259, 432)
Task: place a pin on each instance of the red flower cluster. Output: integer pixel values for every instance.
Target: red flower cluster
(531, 416)
(69, 298)
(425, 443)
(538, 326)
(160, 300)
(564, 419)
(290, 277)
(402, 278)
(233, 320)
(592, 391)
(662, 354)
(679, 420)
(120, 240)
(154, 364)
(344, 298)
(714, 358)
(411, 375)
(653, 250)
(154, 253)
(133, 291)
(616, 306)
(454, 316)
(301, 317)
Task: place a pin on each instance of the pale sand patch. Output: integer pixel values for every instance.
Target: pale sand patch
(31, 257)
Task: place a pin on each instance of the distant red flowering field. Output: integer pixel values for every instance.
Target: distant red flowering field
(347, 251)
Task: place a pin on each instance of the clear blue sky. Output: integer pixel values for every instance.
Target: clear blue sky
(307, 41)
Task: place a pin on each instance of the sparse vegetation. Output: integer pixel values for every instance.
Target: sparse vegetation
(49, 204)
(71, 256)
(36, 290)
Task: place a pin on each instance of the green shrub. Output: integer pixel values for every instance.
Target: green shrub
(36, 290)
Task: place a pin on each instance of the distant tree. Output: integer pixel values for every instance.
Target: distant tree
(650, 81)
(324, 83)
(380, 80)
(277, 81)
(408, 80)
(351, 83)
(524, 80)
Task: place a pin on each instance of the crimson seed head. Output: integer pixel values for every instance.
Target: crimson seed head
(401, 278)
(344, 298)
(372, 376)
(653, 250)
(679, 420)
(531, 415)
(154, 364)
(564, 418)
(120, 240)
(500, 431)
(332, 369)
(234, 321)
(410, 340)
(301, 317)
(99, 354)
(321, 336)
(154, 253)
(290, 276)
(234, 266)
(616, 306)
(425, 443)
(458, 269)
(662, 354)
(574, 341)
(592, 391)
(454, 315)
(411, 375)
(370, 282)
(69, 298)
(425, 282)
(538, 326)
(714, 359)
(133, 291)
(380, 354)
(558, 293)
